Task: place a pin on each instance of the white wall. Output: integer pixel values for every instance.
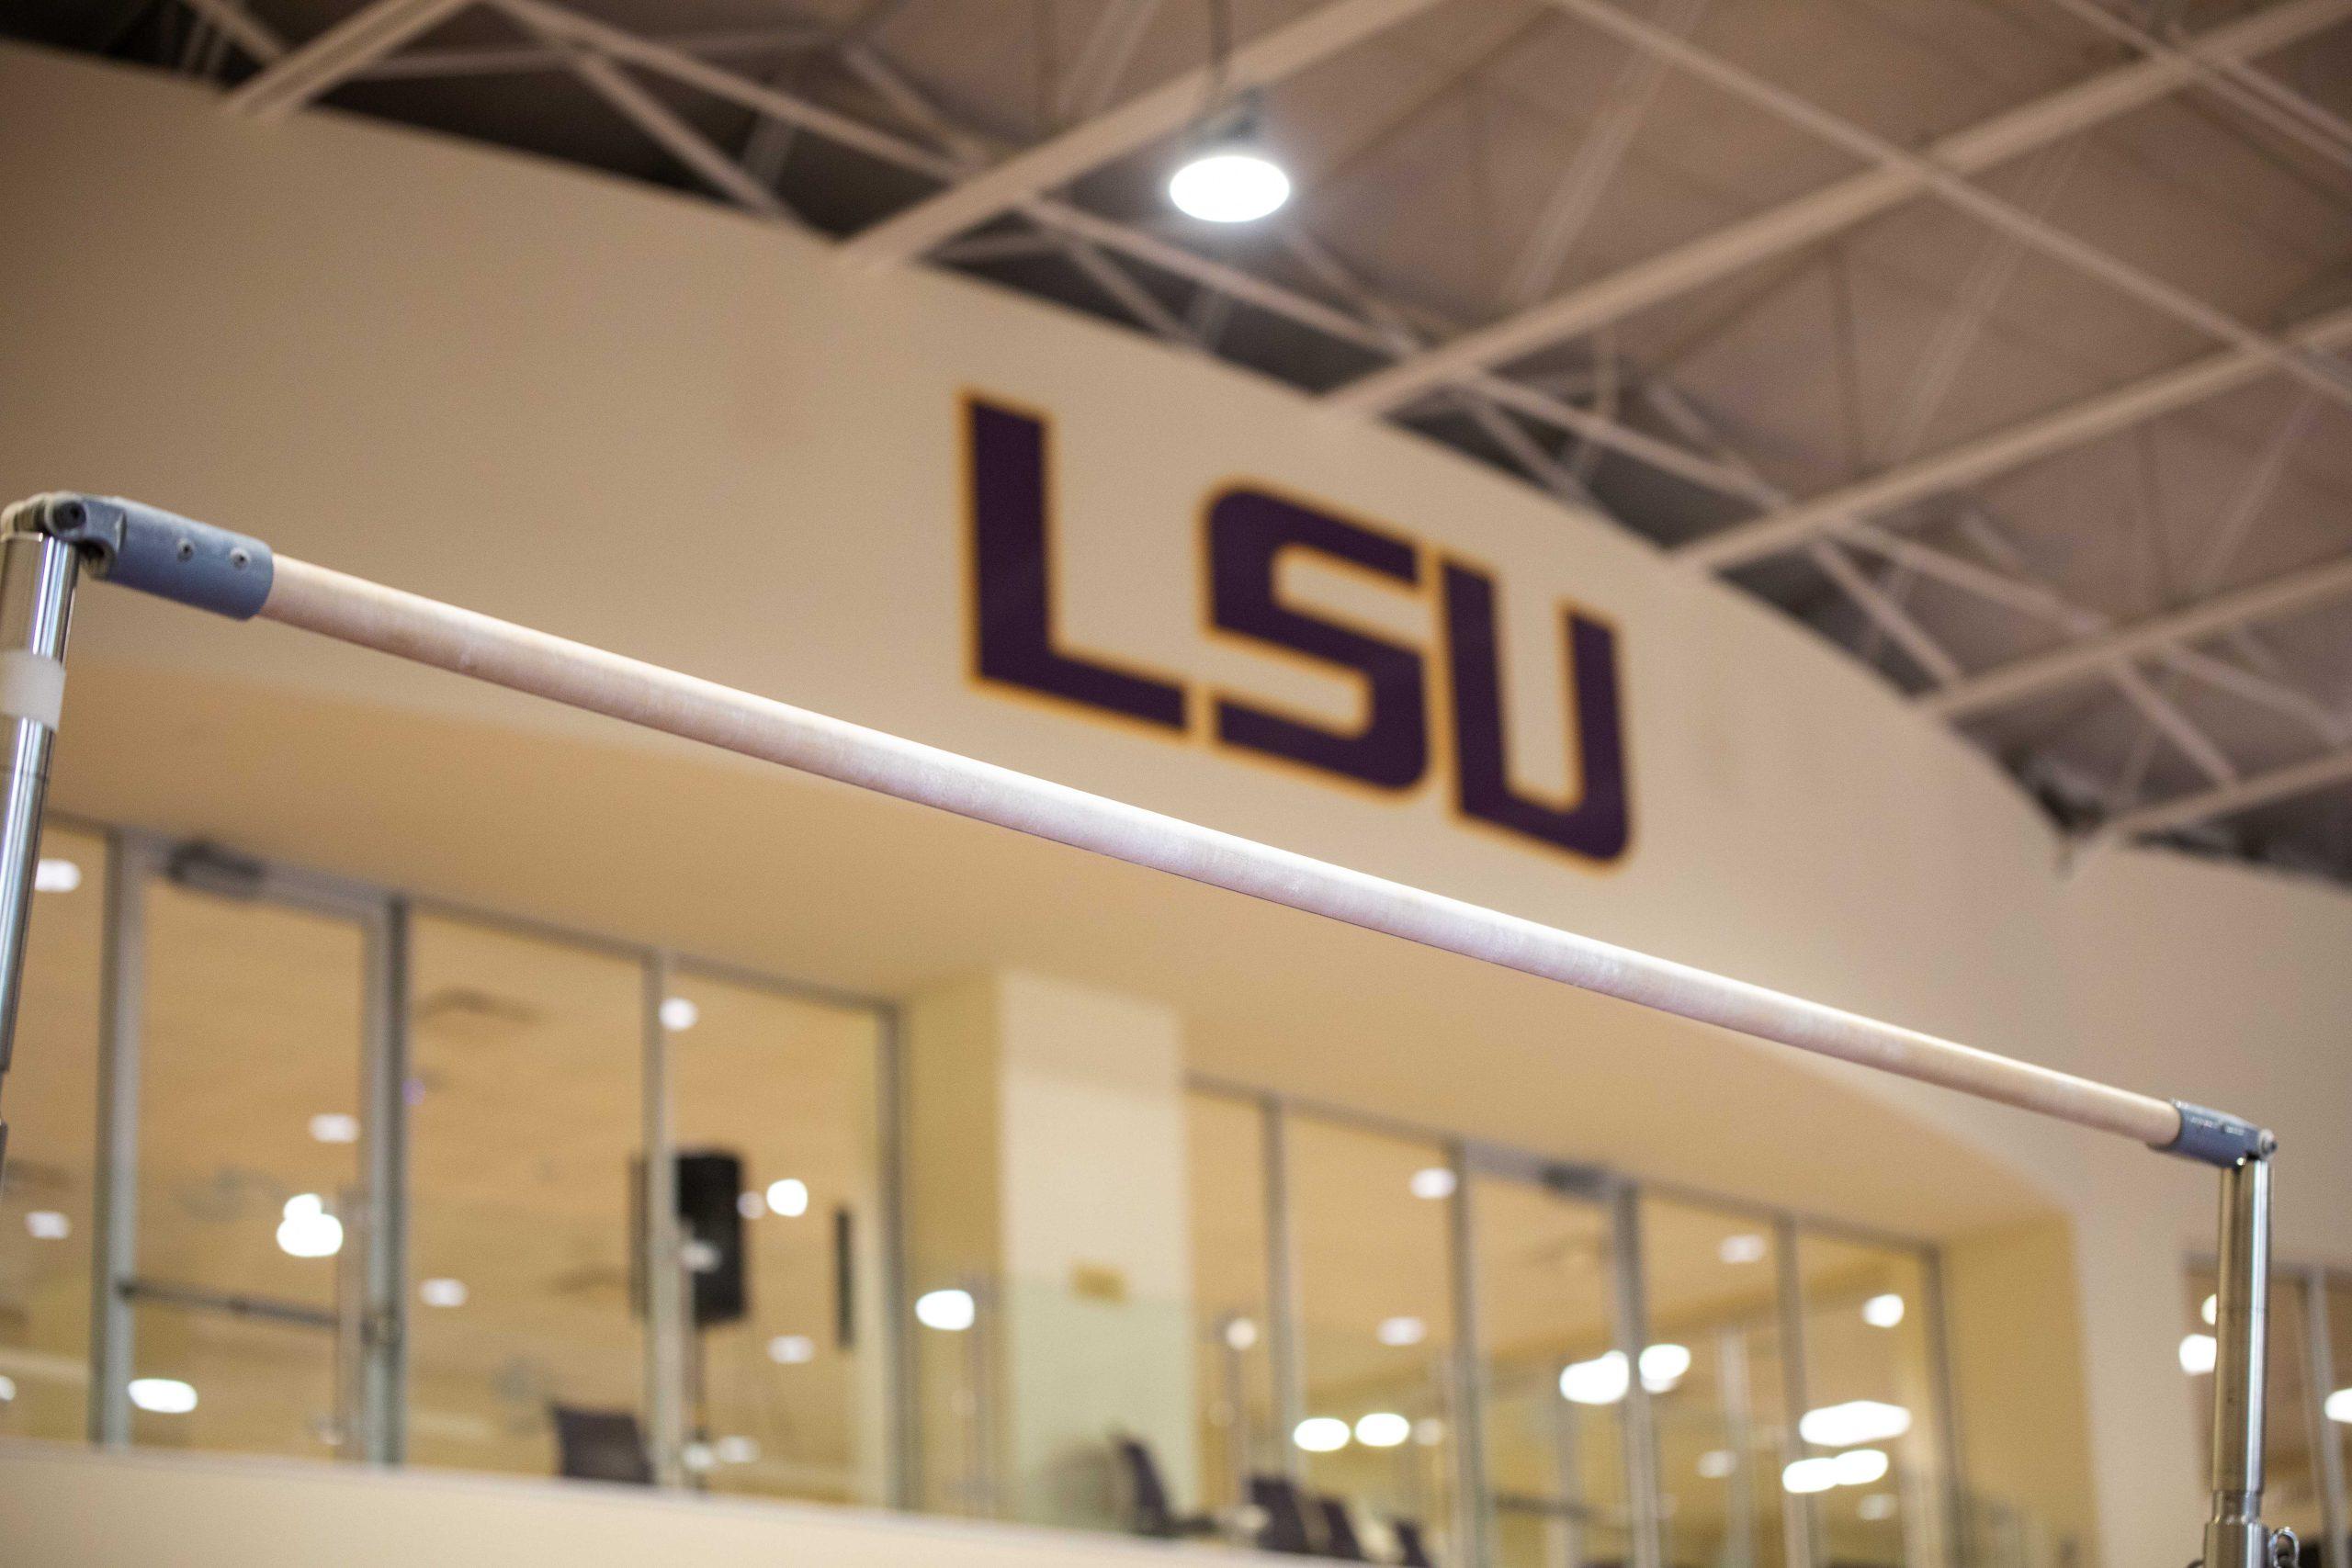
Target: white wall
(657, 426)
(65, 1507)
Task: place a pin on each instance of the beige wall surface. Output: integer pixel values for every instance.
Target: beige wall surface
(659, 427)
(72, 1508)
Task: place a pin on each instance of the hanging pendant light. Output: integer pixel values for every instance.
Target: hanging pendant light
(1227, 177)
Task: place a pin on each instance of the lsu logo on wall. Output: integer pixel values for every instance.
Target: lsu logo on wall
(1249, 531)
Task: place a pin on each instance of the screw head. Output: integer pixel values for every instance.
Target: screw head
(188, 549)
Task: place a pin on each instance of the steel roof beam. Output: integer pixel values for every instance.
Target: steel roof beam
(2307, 777)
(2006, 683)
(305, 74)
(1833, 207)
(2102, 413)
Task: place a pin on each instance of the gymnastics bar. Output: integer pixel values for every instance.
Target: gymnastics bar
(44, 540)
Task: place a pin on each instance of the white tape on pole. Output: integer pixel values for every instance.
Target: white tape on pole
(352, 610)
(31, 686)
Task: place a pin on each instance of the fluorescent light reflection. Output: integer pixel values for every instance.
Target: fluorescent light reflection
(1602, 1379)
(1855, 1421)
(335, 1127)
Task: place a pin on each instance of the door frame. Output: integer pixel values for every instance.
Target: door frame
(371, 1321)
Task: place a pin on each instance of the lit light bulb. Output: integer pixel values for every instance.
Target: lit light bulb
(1231, 183)
(1883, 1311)
(950, 1311)
(1321, 1435)
(307, 1230)
(1383, 1429)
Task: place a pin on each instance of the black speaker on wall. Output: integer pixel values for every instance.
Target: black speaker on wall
(710, 1235)
(710, 1184)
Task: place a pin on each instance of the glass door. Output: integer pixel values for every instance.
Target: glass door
(1554, 1382)
(245, 1309)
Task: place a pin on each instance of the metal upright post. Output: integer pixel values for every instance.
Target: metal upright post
(2235, 1536)
(37, 575)
(667, 1309)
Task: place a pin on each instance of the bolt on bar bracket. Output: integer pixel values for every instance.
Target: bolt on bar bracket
(2216, 1137)
(155, 551)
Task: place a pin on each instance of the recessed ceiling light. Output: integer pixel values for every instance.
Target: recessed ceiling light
(792, 1349)
(2339, 1406)
(56, 875)
(1383, 1429)
(442, 1293)
(789, 1197)
(1883, 1311)
(164, 1396)
(2198, 1352)
(1432, 1182)
(1743, 1249)
(307, 1230)
(1241, 1334)
(679, 1013)
(1402, 1331)
(2212, 1311)
(950, 1311)
(335, 1127)
(47, 1225)
(1717, 1463)
(1321, 1435)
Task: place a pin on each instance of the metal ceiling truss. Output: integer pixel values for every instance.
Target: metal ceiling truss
(982, 181)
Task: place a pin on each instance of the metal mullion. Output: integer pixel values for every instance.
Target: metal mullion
(902, 1450)
(1797, 1518)
(115, 1202)
(1950, 1479)
(1285, 1348)
(2329, 1446)
(1633, 1332)
(660, 1260)
(384, 1182)
(1472, 1502)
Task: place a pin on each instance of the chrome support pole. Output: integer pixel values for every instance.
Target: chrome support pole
(2235, 1536)
(37, 575)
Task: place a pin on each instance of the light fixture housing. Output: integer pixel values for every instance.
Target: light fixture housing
(1227, 174)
